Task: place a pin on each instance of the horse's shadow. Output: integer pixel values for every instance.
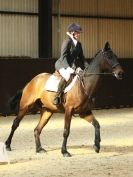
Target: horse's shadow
(84, 149)
(76, 150)
(118, 149)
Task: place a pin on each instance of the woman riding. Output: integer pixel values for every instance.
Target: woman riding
(71, 59)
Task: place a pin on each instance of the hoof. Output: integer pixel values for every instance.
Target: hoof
(41, 150)
(96, 148)
(66, 154)
(8, 148)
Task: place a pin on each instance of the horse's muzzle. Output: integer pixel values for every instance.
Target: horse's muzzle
(118, 72)
(119, 75)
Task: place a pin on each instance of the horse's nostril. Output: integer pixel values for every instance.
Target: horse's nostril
(121, 75)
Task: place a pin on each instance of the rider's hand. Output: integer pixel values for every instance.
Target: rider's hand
(70, 70)
(78, 70)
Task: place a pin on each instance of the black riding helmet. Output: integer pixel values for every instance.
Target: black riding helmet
(74, 28)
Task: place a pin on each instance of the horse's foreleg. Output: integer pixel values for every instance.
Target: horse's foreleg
(45, 116)
(91, 119)
(16, 123)
(67, 123)
(96, 146)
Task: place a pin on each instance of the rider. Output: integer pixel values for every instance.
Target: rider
(71, 58)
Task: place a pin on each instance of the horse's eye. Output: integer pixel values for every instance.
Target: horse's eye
(109, 55)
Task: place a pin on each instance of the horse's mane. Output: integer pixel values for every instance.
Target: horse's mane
(97, 53)
(91, 60)
(92, 63)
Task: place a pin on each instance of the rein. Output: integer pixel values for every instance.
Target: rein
(89, 74)
(80, 76)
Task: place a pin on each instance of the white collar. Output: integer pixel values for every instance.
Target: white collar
(71, 36)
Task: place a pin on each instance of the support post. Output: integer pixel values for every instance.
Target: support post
(45, 28)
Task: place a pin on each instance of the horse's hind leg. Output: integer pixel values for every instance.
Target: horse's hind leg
(91, 119)
(16, 123)
(45, 116)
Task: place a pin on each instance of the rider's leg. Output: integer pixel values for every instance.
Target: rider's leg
(61, 87)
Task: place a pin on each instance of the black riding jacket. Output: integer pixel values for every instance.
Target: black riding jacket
(71, 56)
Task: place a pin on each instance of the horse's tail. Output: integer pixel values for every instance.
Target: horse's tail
(13, 102)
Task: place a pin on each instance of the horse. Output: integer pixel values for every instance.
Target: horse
(77, 101)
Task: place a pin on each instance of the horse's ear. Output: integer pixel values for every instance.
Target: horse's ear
(107, 46)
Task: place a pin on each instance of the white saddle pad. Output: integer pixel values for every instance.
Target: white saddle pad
(53, 82)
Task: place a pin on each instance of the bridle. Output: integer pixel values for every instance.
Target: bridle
(84, 74)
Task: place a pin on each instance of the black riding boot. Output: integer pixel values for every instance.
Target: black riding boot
(61, 87)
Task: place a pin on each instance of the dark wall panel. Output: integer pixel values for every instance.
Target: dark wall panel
(15, 73)
(115, 93)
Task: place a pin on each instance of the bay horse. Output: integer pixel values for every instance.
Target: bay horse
(77, 100)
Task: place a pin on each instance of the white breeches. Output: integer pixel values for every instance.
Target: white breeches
(66, 73)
